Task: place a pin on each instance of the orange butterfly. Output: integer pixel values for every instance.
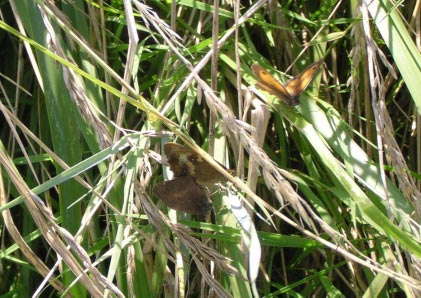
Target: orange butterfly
(292, 89)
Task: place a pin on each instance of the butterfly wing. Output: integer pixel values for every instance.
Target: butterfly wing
(185, 162)
(268, 83)
(184, 194)
(299, 83)
(180, 159)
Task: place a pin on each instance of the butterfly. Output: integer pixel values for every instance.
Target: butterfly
(291, 91)
(187, 191)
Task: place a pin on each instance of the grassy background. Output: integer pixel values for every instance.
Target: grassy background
(330, 190)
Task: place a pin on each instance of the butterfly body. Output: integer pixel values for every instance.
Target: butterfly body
(291, 91)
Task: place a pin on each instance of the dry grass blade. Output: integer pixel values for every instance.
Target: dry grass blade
(96, 284)
(24, 247)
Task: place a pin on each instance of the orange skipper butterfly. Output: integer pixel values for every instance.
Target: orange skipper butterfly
(291, 91)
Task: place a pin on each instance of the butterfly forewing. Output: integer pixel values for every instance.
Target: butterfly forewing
(185, 162)
(180, 159)
(299, 83)
(268, 83)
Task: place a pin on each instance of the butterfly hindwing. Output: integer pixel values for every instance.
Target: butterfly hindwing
(184, 194)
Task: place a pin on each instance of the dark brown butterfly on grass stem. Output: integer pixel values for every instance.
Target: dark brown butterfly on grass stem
(186, 192)
(291, 91)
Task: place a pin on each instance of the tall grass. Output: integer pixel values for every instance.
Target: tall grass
(326, 196)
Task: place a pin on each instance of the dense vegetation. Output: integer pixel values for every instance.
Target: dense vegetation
(325, 197)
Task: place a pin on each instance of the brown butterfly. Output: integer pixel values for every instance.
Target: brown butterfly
(291, 91)
(185, 195)
(186, 192)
